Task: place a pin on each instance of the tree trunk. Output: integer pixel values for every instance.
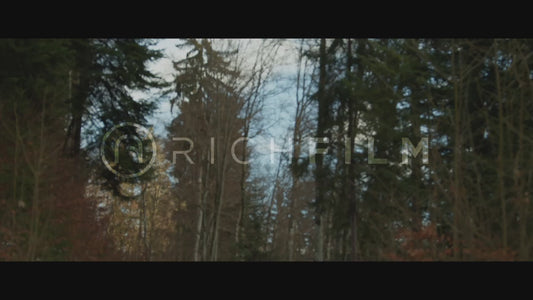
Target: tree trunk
(323, 115)
(199, 219)
(501, 168)
(458, 148)
(242, 209)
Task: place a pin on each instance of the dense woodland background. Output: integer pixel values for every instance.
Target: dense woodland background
(472, 98)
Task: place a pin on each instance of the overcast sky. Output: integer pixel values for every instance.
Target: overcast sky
(279, 109)
(279, 106)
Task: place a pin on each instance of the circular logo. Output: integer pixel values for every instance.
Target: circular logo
(132, 150)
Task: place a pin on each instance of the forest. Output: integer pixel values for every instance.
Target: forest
(326, 149)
